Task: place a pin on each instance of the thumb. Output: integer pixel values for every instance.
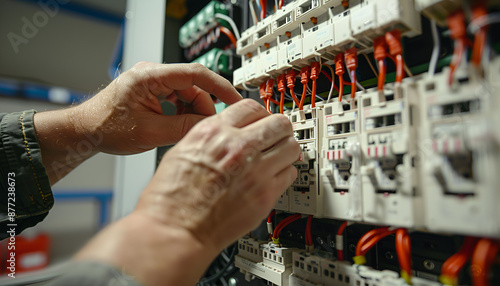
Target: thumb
(169, 129)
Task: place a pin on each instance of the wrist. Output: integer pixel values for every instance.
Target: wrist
(63, 145)
(150, 251)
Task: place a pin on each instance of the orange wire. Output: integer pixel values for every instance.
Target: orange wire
(341, 87)
(292, 93)
(274, 101)
(484, 254)
(381, 72)
(263, 9)
(353, 84)
(313, 94)
(452, 266)
(403, 249)
(372, 242)
(281, 3)
(302, 99)
(400, 73)
(367, 236)
(229, 34)
(478, 11)
(282, 101)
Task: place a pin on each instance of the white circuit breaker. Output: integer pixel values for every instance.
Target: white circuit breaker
(460, 155)
(391, 194)
(305, 196)
(340, 162)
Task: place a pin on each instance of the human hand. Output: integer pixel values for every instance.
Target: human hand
(225, 175)
(215, 185)
(126, 117)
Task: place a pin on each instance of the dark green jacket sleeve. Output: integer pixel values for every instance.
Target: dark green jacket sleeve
(90, 273)
(25, 193)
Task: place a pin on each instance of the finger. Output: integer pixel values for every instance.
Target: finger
(267, 132)
(243, 113)
(199, 99)
(169, 129)
(282, 155)
(277, 185)
(184, 76)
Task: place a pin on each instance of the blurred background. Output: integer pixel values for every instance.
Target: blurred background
(54, 54)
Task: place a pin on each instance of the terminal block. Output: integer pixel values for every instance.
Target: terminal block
(249, 248)
(308, 267)
(391, 194)
(340, 162)
(460, 156)
(276, 265)
(304, 194)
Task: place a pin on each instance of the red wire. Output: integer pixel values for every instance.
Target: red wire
(381, 74)
(340, 231)
(342, 228)
(284, 223)
(313, 94)
(229, 34)
(484, 255)
(282, 101)
(263, 9)
(308, 237)
(281, 3)
(270, 217)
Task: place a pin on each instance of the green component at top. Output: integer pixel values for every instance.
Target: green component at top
(209, 58)
(201, 23)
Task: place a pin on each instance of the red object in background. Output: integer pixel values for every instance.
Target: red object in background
(31, 253)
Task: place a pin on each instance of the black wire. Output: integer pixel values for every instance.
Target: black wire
(211, 279)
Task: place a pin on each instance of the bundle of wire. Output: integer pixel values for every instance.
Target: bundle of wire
(369, 240)
(221, 269)
(286, 221)
(452, 266)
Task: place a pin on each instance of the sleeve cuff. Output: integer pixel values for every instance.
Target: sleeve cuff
(21, 160)
(91, 273)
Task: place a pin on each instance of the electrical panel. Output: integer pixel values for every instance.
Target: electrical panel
(399, 134)
(304, 195)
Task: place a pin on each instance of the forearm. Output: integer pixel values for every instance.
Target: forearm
(63, 144)
(150, 251)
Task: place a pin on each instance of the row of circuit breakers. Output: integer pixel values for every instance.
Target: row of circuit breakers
(421, 154)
